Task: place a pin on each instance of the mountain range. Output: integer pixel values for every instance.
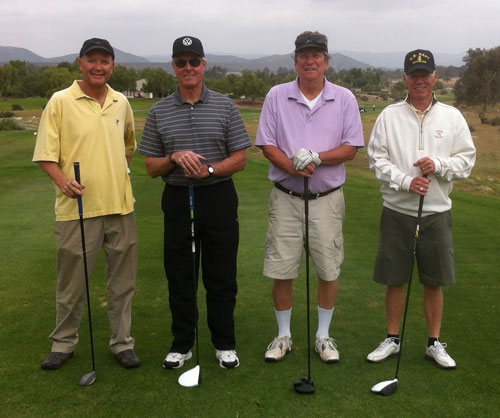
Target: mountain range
(342, 60)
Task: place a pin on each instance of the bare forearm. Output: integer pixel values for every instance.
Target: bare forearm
(159, 166)
(237, 161)
(280, 160)
(69, 187)
(338, 155)
(53, 171)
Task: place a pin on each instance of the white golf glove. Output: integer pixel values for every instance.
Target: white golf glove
(304, 157)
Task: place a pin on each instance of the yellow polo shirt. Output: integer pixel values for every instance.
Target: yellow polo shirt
(74, 127)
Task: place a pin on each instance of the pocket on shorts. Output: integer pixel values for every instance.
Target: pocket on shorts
(339, 247)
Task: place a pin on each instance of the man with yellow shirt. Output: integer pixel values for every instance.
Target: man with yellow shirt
(91, 123)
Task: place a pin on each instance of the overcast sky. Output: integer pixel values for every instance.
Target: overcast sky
(147, 27)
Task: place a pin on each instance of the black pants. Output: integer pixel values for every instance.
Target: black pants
(217, 236)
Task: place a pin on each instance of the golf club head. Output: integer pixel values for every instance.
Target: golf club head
(386, 388)
(191, 378)
(88, 379)
(304, 386)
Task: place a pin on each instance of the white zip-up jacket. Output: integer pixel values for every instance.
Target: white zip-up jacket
(399, 139)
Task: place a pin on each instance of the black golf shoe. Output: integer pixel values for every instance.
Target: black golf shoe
(128, 359)
(56, 360)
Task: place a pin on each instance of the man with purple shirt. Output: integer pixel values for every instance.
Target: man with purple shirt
(308, 128)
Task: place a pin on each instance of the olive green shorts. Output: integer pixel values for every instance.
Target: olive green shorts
(434, 252)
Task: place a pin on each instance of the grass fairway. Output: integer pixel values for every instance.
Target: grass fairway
(255, 389)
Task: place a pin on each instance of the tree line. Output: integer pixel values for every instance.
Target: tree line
(479, 82)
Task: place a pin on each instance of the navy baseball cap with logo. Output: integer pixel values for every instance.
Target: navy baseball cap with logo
(420, 59)
(187, 44)
(97, 43)
(311, 40)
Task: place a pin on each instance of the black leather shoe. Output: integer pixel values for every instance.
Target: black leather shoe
(56, 360)
(128, 359)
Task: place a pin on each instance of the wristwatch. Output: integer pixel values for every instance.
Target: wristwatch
(210, 170)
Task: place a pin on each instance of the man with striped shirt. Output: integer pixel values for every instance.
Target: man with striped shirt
(197, 137)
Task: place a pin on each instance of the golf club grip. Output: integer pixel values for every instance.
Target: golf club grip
(191, 210)
(76, 167)
(420, 206)
(191, 199)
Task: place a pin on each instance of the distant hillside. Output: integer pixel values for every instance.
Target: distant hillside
(9, 53)
(273, 62)
(344, 60)
(394, 60)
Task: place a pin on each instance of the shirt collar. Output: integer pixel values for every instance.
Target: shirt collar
(179, 100)
(294, 92)
(433, 101)
(78, 93)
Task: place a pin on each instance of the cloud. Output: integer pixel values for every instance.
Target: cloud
(147, 27)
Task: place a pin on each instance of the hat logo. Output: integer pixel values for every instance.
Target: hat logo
(187, 41)
(421, 58)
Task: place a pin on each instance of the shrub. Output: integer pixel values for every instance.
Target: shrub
(483, 118)
(471, 128)
(6, 114)
(17, 107)
(10, 125)
(495, 121)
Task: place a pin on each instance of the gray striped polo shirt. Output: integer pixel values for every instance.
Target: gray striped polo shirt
(212, 127)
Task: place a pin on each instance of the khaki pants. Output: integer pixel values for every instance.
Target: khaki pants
(117, 235)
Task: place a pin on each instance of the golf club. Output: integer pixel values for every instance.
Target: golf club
(305, 385)
(389, 387)
(89, 378)
(192, 377)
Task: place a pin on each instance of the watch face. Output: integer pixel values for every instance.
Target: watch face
(210, 169)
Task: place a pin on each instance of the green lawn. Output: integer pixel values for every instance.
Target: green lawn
(29, 103)
(255, 389)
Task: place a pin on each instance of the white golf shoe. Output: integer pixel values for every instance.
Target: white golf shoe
(386, 348)
(176, 360)
(327, 350)
(228, 359)
(278, 348)
(437, 352)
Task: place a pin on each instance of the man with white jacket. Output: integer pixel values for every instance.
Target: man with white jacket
(418, 147)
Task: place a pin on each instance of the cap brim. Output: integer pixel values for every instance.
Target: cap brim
(311, 46)
(93, 48)
(419, 67)
(190, 51)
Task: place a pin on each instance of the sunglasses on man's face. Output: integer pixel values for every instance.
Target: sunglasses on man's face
(181, 62)
(315, 39)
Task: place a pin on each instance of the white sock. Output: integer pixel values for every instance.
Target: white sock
(324, 319)
(283, 318)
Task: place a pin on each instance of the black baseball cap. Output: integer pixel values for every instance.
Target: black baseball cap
(420, 59)
(97, 43)
(311, 40)
(187, 44)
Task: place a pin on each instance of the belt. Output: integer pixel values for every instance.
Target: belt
(312, 196)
